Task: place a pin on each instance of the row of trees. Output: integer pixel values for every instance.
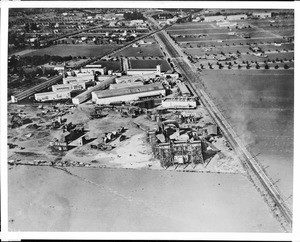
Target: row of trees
(36, 60)
(133, 15)
(248, 66)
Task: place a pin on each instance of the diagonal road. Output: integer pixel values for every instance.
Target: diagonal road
(255, 170)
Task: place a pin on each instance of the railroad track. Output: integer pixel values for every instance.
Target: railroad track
(249, 161)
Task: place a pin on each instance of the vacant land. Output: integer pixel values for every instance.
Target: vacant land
(86, 199)
(75, 50)
(259, 104)
(148, 64)
(110, 65)
(191, 25)
(143, 51)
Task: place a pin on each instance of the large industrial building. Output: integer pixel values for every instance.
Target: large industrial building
(183, 89)
(128, 94)
(262, 14)
(236, 17)
(152, 71)
(94, 68)
(214, 18)
(69, 87)
(50, 96)
(82, 97)
(79, 78)
(125, 85)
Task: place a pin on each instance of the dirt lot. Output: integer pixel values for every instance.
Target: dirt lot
(259, 105)
(33, 140)
(104, 200)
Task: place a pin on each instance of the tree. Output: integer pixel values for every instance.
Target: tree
(267, 67)
(286, 66)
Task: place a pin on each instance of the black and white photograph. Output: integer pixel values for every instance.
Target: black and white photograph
(150, 119)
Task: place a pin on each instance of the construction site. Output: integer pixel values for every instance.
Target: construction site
(155, 132)
(146, 115)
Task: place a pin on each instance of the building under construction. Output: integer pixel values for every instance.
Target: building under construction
(178, 152)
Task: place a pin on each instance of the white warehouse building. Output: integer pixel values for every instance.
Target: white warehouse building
(69, 87)
(262, 14)
(50, 96)
(128, 94)
(124, 85)
(236, 17)
(214, 18)
(152, 71)
(179, 102)
(80, 78)
(93, 68)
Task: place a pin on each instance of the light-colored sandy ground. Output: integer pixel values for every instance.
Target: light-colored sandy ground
(93, 199)
(260, 108)
(134, 152)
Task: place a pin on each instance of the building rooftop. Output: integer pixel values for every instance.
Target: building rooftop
(129, 90)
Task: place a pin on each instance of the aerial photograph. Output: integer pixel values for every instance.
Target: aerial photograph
(150, 120)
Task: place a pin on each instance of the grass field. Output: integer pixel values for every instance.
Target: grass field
(75, 50)
(144, 64)
(110, 65)
(144, 51)
(259, 105)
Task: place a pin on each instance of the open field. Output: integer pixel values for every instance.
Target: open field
(47, 199)
(236, 41)
(199, 30)
(191, 25)
(259, 105)
(143, 51)
(144, 64)
(233, 49)
(271, 56)
(75, 50)
(213, 37)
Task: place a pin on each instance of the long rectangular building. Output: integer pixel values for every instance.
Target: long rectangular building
(35, 89)
(88, 93)
(179, 102)
(183, 89)
(79, 78)
(94, 68)
(124, 85)
(50, 96)
(128, 94)
(69, 87)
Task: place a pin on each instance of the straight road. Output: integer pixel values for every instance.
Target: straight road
(255, 170)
